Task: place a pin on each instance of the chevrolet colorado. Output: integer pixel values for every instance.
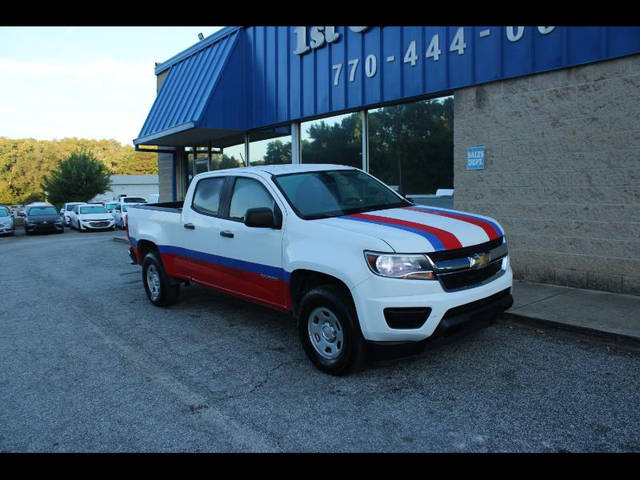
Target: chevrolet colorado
(356, 263)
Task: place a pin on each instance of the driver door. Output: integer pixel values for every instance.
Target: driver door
(251, 257)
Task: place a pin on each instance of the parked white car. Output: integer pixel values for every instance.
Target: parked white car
(65, 212)
(132, 200)
(7, 226)
(91, 217)
(120, 214)
(110, 206)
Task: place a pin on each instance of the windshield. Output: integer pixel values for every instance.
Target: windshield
(333, 193)
(93, 209)
(133, 200)
(35, 211)
(4, 212)
(110, 205)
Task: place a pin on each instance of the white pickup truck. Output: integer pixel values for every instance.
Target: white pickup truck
(357, 264)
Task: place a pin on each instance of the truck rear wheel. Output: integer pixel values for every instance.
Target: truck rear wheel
(329, 331)
(161, 291)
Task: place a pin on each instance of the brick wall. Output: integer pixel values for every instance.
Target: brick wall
(562, 171)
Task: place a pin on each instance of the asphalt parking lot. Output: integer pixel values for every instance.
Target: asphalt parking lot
(89, 365)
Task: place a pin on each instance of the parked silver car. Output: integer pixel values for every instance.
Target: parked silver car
(7, 226)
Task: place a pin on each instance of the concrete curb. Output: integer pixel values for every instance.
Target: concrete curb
(600, 336)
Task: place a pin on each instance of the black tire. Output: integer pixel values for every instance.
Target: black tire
(164, 291)
(329, 330)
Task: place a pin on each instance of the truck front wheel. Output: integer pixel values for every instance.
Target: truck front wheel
(329, 332)
(161, 291)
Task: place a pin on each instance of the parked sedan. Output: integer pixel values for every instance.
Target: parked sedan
(91, 217)
(65, 213)
(110, 206)
(42, 218)
(120, 214)
(7, 226)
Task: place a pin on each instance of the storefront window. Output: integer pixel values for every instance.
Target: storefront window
(270, 146)
(333, 140)
(411, 146)
(231, 157)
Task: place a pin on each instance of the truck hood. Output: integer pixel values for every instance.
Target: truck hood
(421, 228)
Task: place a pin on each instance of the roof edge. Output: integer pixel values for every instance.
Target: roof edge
(163, 133)
(211, 39)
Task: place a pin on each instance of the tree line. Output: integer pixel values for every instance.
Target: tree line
(26, 162)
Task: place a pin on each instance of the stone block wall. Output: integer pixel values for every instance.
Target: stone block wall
(562, 171)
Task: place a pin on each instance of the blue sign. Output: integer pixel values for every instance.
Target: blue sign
(475, 158)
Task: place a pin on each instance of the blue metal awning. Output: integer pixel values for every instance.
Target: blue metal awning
(177, 114)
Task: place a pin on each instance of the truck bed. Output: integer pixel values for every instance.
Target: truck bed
(175, 207)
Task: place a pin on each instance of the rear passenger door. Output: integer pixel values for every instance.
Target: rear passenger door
(199, 248)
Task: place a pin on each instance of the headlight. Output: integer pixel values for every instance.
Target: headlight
(414, 267)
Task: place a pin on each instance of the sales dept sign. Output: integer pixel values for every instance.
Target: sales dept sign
(475, 158)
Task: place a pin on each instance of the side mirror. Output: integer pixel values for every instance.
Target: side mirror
(261, 218)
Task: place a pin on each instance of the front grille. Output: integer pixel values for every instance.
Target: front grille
(99, 224)
(469, 277)
(463, 252)
(454, 268)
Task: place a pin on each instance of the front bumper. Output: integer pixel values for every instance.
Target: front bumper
(377, 294)
(95, 225)
(43, 227)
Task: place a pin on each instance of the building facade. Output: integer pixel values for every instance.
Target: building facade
(145, 186)
(535, 126)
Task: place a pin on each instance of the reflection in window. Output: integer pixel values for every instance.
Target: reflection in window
(270, 146)
(336, 140)
(207, 196)
(197, 161)
(232, 157)
(248, 193)
(411, 145)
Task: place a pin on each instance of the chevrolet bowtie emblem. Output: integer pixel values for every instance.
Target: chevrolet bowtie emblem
(479, 260)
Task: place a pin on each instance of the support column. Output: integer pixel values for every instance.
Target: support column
(296, 149)
(365, 140)
(246, 149)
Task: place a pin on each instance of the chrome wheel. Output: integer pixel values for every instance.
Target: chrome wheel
(326, 333)
(153, 282)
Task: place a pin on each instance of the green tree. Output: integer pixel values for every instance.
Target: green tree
(277, 152)
(79, 178)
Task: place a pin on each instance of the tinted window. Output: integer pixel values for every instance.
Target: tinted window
(133, 200)
(206, 200)
(248, 193)
(4, 212)
(93, 209)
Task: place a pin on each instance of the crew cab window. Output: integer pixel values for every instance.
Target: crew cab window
(248, 193)
(206, 199)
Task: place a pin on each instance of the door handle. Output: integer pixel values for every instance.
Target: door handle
(189, 226)
(227, 234)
